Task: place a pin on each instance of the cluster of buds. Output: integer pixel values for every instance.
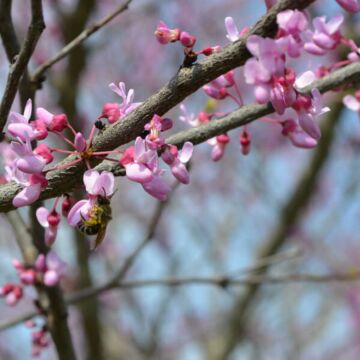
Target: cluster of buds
(39, 337)
(166, 35)
(46, 271)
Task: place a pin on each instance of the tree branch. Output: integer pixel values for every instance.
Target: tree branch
(18, 68)
(187, 81)
(221, 281)
(65, 180)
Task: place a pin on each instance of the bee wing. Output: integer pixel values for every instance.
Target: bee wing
(100, 235)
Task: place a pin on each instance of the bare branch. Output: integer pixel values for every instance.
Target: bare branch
(38, 73)
(221, 281)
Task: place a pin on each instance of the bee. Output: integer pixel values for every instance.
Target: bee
(98, 219)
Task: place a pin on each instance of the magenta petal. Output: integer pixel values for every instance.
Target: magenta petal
(186, 152)
(42, 214)
(90, 178)
(28, 109)
(157, 188)
(349, 5)
(217, 152)
(27, 196)
(351, 102)
(30, 164)
(302, 140)
(40, 263)
(51, 278)
(311, 48)
(104, 184)
(181, 173)
(80, 142)
(309, 125)
(22, 131)
(139, 173)
(44, 115)
(82, 207)
(50, 235)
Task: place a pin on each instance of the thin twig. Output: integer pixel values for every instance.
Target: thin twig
(222, 281)
(38, 73)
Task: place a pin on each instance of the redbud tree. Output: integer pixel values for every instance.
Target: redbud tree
(179, 179)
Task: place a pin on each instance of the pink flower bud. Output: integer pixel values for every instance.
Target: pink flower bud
(44, 151)
(41, 130)
(166, 124)
(288, 126)
(80, 142)
(58, 123)
(245, 142)
(223, 139)
(128, 156)
(165, 35)
(28, 277)
(187, 40)
(40, 263)
(38, 179)
(111, 111)
(53, 218)
(51, 278)
(66, 205)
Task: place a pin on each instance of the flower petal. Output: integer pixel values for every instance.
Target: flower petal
(27, 196)
(42, 214)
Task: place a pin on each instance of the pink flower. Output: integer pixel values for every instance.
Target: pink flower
(291, 22)
(217, 88)
(50, 221)
(353, 102)
(219, 144)
(165, 35)
(51, 267)
(157, 187)
(308, 109)
(32, 187)
(52, 122)
(188, 117)
(80, 142)
(96, 184)
(113, 111)
(139, 162)
(177, 160)
(187, 40)
(153, 140)
(298, 137)
(349, 5)
(12, 293)
(291, 25)
(233, 33)
(326, 35)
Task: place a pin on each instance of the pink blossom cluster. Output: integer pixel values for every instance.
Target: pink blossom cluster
(141, 161)
(39, 337)
(352, 6)
(47, 271)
